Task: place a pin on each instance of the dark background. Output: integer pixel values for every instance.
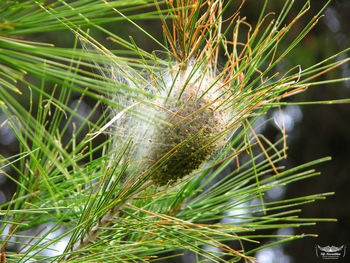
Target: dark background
(320, 130)
(324, 130)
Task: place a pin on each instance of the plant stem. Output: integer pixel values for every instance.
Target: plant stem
(96, 229)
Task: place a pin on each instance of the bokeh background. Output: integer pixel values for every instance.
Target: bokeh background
(314, 131)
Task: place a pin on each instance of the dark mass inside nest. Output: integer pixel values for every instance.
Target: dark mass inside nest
(188, 139)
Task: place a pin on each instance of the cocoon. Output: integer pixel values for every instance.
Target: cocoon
(185, 126)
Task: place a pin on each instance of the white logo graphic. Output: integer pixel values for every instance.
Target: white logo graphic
(330, 252)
